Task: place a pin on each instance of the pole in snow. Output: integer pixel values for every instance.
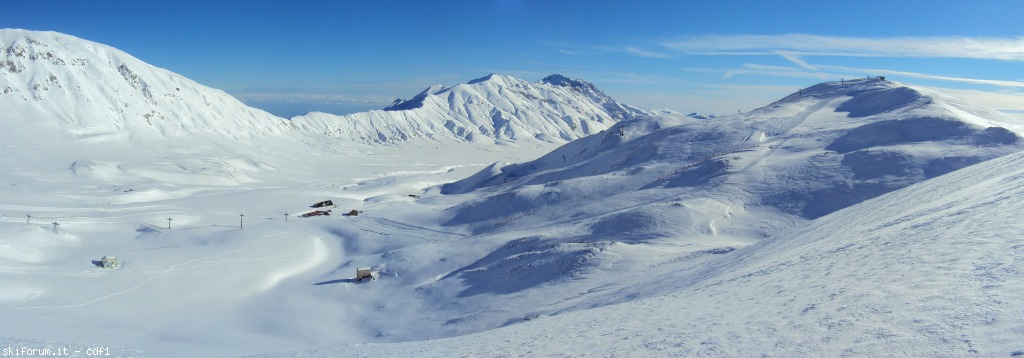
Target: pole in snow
(168, 223)
(240, 216)
(285, 217)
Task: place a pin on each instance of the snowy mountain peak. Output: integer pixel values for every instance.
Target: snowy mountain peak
(75, 88)
(416, 101)
(560, 80)
(876, 96)
(808, 155)
(497, 78)
(854, 87)
(495, 107)
(618, 110)
(578, 85)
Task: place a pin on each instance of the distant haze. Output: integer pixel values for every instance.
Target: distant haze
(291, 109)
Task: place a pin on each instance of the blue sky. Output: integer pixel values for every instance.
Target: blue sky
(691, 56)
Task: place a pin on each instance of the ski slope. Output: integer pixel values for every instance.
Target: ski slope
(504, 217)
(929, 270)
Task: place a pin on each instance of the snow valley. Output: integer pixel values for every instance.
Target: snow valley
(500, 217)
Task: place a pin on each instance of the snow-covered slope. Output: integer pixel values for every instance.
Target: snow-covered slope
(82, 117)
(488, 109)
(929, 270)
(74, 89)
(683, 236)
(703, 187)
(808, 155)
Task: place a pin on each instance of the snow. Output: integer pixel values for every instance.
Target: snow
(700, 115)
(862, 217)
(494, 108)
(928, 270)
(50, 83)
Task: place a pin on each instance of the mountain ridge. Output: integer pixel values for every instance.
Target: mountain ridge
(89, 89)
(876, 115)
(493, 108)
(713, 185)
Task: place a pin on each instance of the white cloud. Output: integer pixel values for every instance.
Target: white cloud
(776, 73)
(794, 59)
(977, 81)
(792, 45)
(644, 53)
(836, 72)
(769, 70)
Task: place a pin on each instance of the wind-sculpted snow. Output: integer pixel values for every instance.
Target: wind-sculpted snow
(524, 263)
(715, 183)
(817, 160)
(872, 101)
(918, 130)
(488, 109)
(930, 270)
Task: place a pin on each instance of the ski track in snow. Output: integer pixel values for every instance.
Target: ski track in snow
(165, 272)
(782, 131)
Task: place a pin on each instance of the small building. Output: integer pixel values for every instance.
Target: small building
(317, 213)
(366, 272)
(323, 204)
(109, 262)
